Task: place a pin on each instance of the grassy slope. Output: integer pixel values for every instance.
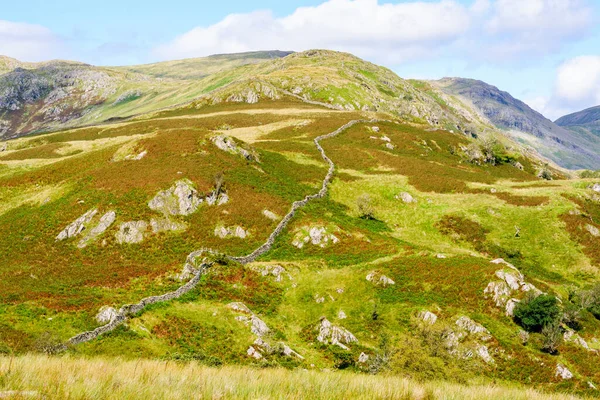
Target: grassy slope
(50, 291)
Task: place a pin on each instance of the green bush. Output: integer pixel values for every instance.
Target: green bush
(534, 313)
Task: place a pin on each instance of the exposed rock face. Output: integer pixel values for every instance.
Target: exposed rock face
(252, 352)
(379, 279)
(406, 198)
(315, 235)
(484, 354)
(258, 327)
(511, 283)
(229, 145)
(239, 307)
(77, 226)
(473, 327)
(563, 372)
(274, 270)
(332, 334)
(571, 336)
(166, 224)
(136, 157)
(592, 230)
(596, 187)
(231, 231)
(428, 317)
(271, 215)
(180, 199)
(131, 232)
(106, 315)
(105, 222)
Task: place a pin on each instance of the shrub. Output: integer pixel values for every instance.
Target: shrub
(553, 337)
(572, 316)
(365, 207)
(534, 313)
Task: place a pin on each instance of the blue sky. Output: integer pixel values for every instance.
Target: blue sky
(546, 52)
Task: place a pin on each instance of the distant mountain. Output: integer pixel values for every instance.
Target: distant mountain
(567, 148)
(586, 122)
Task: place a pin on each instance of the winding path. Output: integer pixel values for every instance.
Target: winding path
(131, 309)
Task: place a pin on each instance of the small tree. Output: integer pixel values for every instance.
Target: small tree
(553, 337)
(534, 313)
(365, 207)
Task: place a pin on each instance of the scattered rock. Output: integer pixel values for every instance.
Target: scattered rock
(336, 335)
(77, 226)
(252, 352)
(441, 256)
(131, 232)
(217, 199)
(375, 128)
(342, 315)
(275, 270)
(483, 352)
(406, 198)
(180, 199)
(473, 327)
(270, 215)
(106, 314)
(592, 230)
(379, 279)
(563, 372)
(339, 290)
(595, 187)
(390, 146)
(259, 327)
(239, 307)
(105, 222)
(229, 145)
(232, 231)
(319, 299)
(428, 317)
(363, 358)
(591, 385)
(316, 235)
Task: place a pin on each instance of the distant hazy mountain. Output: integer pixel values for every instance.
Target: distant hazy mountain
(586, 122)
(565, 147)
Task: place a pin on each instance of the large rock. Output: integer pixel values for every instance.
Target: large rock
(105, 222)
(379, 279)
(231, 231)
(77, 226)
(336, 335)
(473, 327)
(563, 372)
(315, 235)
(592, 230)
(406, 198)
(229, 145)
(180, 199)
(131, 232)
(106, 314)
(428, 317)
(258, 326)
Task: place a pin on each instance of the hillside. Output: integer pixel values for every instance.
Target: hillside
(313, 212)
(586, 122)
(525, 124)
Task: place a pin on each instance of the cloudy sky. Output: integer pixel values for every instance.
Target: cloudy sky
(545, 52)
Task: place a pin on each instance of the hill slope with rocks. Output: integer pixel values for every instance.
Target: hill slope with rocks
(585, 122)
(312, 212)
(525, 124)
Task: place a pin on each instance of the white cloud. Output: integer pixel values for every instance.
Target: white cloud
(365, 27)
(392, 33)
(28, 42)
(578, 80)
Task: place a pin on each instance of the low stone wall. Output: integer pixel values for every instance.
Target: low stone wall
(131, 309)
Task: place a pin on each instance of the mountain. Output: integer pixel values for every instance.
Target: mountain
(525, 124)
(585, 123)
(311, 212)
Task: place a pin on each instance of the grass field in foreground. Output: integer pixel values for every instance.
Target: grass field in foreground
(33, 377)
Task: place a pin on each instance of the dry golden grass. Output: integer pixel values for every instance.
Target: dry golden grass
(251, 134)
(35, 376)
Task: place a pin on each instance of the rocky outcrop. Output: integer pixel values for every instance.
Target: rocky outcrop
(131, 232)
(231, 231)
(379, 279)
(563, 372)
(271, 215)
(106, 314)
(180, 199)
(315, 235)
(428, 317)
(595, 232)
(229, 145)
(105, 222)
(276, 271)
(77, 226)
(406, 198)
(511, 283)
(335, 335)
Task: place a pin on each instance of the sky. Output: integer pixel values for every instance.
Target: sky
(544, 52)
